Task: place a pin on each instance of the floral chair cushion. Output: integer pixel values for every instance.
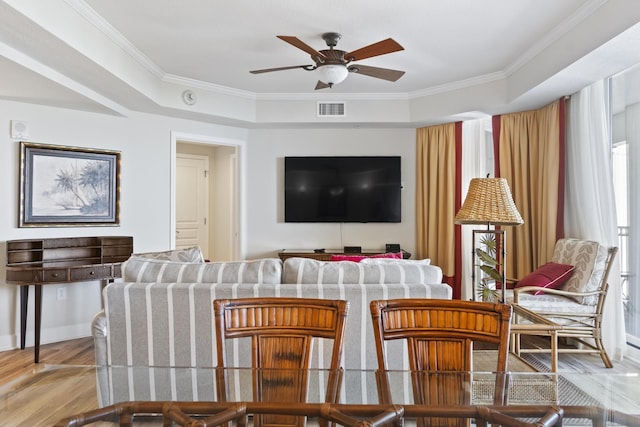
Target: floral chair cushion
(589, 259)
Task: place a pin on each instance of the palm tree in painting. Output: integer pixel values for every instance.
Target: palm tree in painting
(66, 181)
(95, 179)
(89, 187)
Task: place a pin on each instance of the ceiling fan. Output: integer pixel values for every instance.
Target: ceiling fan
(333, 65)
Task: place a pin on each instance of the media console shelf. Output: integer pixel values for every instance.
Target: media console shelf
(61, 260)
(326, 255)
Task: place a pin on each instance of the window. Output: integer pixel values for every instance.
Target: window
(625, 107)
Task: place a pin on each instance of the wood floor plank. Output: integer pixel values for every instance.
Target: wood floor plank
(30, 402)
(15, 363)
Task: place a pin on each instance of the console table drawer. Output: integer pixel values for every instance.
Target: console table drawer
(94, 272)
(52, 275)
(23, 276)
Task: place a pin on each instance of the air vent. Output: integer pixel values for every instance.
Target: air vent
(331, 109)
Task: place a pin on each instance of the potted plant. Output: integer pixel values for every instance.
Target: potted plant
(490, 267)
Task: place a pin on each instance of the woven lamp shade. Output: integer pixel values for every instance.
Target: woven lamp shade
(489, 201)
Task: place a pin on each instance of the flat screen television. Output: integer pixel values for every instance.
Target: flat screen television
(342, 189)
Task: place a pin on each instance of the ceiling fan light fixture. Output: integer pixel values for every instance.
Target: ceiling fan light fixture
(332, 74)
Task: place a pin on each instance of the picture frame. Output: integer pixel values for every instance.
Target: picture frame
(63, 186)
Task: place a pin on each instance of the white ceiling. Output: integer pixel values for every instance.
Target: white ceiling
(119, 56)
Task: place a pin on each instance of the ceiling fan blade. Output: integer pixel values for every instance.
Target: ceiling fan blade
(268, 70)
(381, 48)
(377, 72)
(321, 85)
(301, 45)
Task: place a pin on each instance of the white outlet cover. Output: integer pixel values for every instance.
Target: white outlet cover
(19, 129)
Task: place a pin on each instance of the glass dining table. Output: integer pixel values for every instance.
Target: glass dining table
(67, 396)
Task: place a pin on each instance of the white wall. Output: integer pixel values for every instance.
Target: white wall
(267, 233)
(145, 143)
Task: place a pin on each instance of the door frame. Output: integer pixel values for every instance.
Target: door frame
(239, 217)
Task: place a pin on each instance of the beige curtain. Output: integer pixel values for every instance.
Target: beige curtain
(530, 158)
(435, 195)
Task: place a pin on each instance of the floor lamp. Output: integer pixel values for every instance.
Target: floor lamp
(489, 202)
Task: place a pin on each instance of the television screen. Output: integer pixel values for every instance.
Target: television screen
(342, 189)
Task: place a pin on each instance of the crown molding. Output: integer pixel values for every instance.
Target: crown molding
(558, 31)
(116, 37)
(460, 84)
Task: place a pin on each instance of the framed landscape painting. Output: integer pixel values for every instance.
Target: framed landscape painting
(68, 186)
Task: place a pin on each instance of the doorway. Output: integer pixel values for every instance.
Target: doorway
(192, 201)
(205, 200)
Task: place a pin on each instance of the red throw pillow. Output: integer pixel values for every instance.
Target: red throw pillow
(396, 255)
(549, 275)
(358, 258)
(354, 258)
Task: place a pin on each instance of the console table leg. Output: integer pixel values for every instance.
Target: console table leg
(24, 300)
(38, 322)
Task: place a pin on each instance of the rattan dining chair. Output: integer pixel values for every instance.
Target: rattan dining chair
(440, 335)
(281, 332)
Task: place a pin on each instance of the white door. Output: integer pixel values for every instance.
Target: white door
(192, 202)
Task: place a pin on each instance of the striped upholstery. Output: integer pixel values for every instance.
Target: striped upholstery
(144, 270)
(306, 270)
(192, 254)
(170, 324)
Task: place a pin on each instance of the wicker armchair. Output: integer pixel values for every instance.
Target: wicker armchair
(440, 336)
(281, 331)
(578, 305)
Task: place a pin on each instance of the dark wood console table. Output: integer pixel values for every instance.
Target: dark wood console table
(326, 255)
(61, 260)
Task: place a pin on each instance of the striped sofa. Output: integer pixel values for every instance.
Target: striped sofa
(160, 315)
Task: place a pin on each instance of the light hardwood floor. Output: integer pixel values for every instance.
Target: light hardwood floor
(15, 363)
(79, 395)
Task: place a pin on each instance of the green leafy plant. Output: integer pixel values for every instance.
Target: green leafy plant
(487, 256)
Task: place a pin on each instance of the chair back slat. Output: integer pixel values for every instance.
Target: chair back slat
(281, 332)
(440, 335)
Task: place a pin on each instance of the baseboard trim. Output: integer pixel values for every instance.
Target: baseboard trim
(47, 336)
(7, 342)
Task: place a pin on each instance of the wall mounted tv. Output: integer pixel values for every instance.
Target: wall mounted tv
(342, 189)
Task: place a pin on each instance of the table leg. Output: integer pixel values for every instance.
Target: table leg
(24, 300)
(38, 322)
(554, 351)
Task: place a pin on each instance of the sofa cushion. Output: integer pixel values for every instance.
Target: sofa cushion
(306, 270)
(548, 305)
(550, 275)
(193, 254)
(588, 258)
(137, 269)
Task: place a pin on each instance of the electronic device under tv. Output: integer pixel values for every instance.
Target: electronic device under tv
(342, 189)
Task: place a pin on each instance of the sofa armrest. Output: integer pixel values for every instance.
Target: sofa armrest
(99, 333)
